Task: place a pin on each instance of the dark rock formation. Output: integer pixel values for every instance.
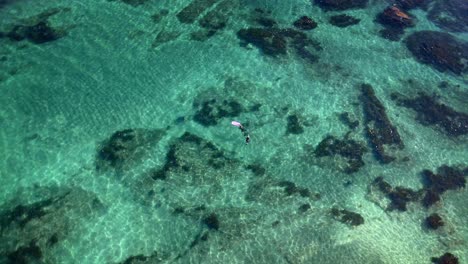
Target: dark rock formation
(37, 34)
(211, 111)
(430, 197)
(434, 221)
(450, 15)
(400, 196)
(4, 3)
(382, 185)
(30, 229)
(447, 258)
(393, 16)
(190, 13)
(410, 4)
(158, 16)
(305, 23)
(304, 208)
(392, 33)
(447, 178)
(36, 29)
(124, 147)
(257, 169)
(23, 214)
(136, 259)
(379, 129)
(343, 20)
(267, 191)
(440, 50)
(217, 18)
(333, 5)
(290, 188)
(266, 22)
(274, 41)
(347, 217)
(181, 160)
(432, 113)
(347, 120)
(25, 254)
(133, 3)
(395, 21)
(269, 41)
(211, 221)
(294, 126)
(349, 149)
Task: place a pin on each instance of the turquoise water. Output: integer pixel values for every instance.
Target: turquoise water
(116, 144)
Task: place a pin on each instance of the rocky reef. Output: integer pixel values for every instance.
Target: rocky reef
(36, 29)
(349, 149)
(440, 50)
(343, 20)
(347, 217)
(125, 147)
(430, 112)
(31, 229)
(336, 5)
(450, 15)
(275, 42)
(379, 130)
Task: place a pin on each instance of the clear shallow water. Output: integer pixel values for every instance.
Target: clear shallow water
(184, 191)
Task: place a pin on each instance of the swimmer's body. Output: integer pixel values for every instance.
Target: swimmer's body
(243, 130)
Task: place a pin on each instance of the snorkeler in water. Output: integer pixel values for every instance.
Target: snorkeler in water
(243, 130)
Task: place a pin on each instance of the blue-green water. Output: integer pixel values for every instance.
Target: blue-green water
(116, 143)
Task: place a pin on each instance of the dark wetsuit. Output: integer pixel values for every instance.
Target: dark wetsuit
(245, 133)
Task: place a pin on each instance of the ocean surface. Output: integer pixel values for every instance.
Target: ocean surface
(116, 142)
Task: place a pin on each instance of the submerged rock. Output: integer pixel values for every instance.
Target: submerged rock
(211, 111)
(30, 229)
(347, 217)
(450, 15)
(447, 178)
(266, 22)
(379, 129)
(409, 4)
(430, 112)
(399, 196)
(393, 16)
(349, 121)
(434, 221)
(125, 147)
(217, 18)
(184, 155)
(343, 20)
(333, 5)
(440, 50)
(36, 29)
(392, 33)
(274, 42)
(349, 149)
(30, 253)
(190, 13)
(395, 21)
(305, 23)
(294, 125)
(269, 41)
(132, 2)
(38, 33)
(212, 221)
(447, 258)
